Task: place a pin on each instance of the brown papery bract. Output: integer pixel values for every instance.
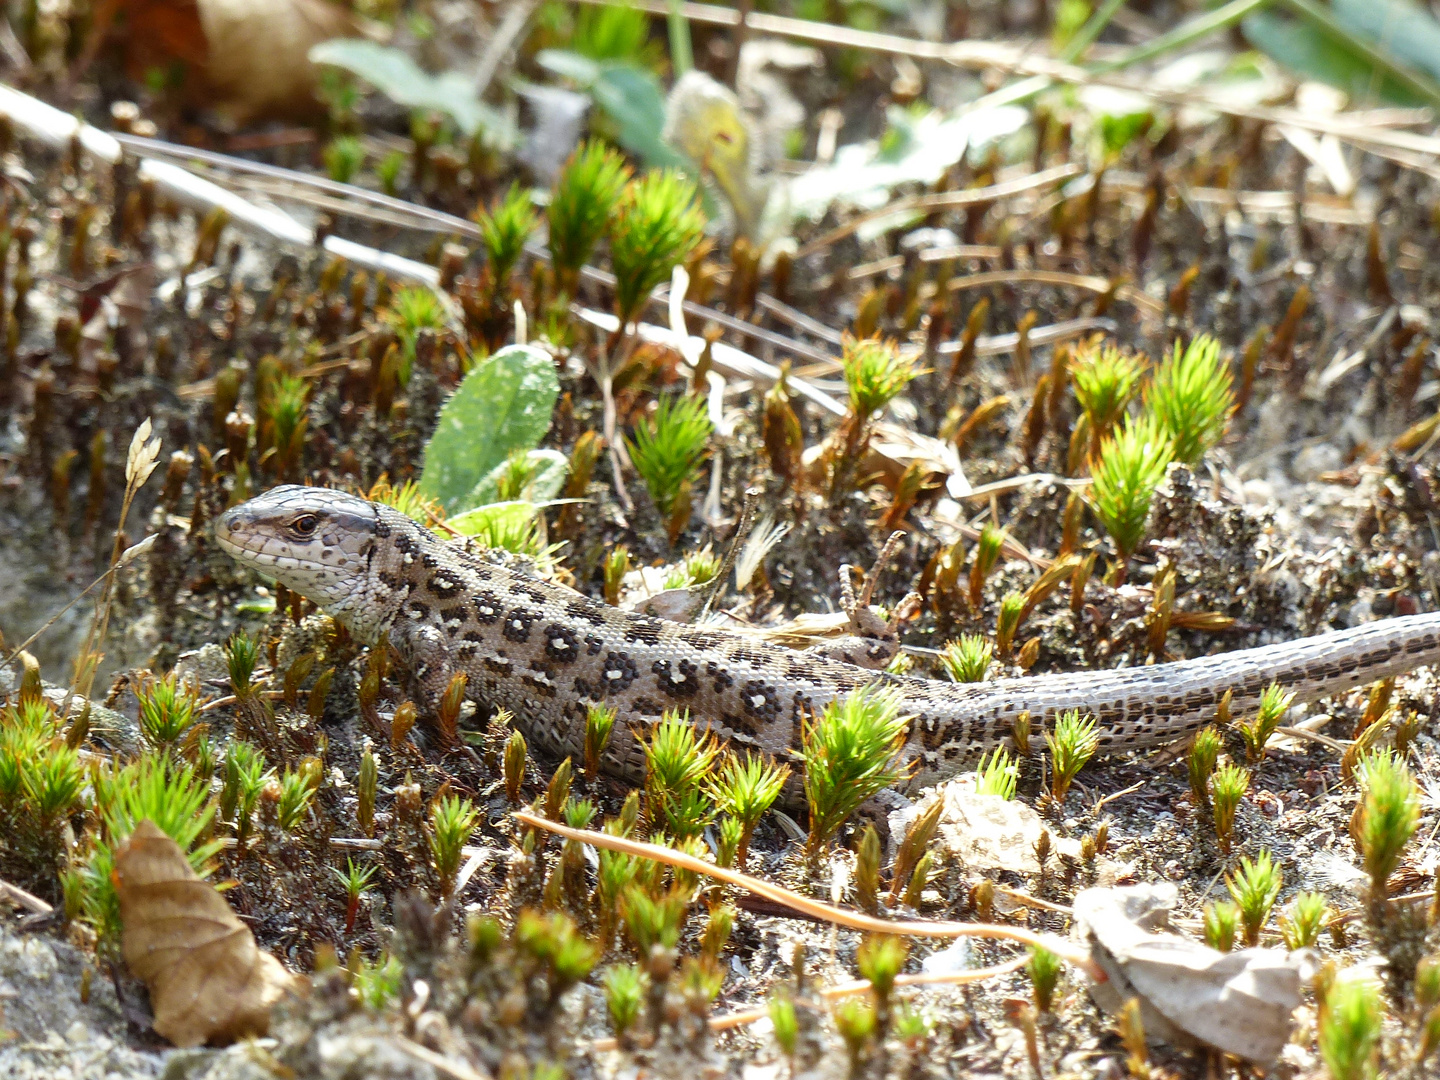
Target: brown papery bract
(208, 980)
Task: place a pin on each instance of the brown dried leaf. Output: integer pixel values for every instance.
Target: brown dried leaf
(1240, 1003)
(248, 59)
(208, 980)
(893, 449)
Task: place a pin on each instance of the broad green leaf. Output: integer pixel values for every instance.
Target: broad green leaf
(551, 467)
(629, 96)
(398, 77)
(1309, 51)
(504, 404)
(1403, 29)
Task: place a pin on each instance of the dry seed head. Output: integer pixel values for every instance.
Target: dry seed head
(917, 840)
(558, 790)
(1020, 733)
(365, 789)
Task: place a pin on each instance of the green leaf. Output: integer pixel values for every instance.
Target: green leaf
(551, 468)
(1403, 29)
(1306, 49)
(629, 95)
(399, 78)
(504, 404)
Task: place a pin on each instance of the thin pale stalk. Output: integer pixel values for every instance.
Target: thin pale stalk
(1067, 950)
(730, 1021)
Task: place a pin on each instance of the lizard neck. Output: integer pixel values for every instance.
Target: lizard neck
(395, 559)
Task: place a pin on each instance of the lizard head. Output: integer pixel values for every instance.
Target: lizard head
(315, 541)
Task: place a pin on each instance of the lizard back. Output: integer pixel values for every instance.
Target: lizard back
(546, 653)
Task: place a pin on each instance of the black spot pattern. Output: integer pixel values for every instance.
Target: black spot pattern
(679, 681)
(488, 607)
(529, 592)
(644, 629)
(539, 686)
(760, 699)
(617, 673)
(722, 678)
(444, 586)
(517, 625)
(561, 643)
(586, 610)
(593, 645)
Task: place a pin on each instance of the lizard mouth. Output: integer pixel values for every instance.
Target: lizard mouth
(315, 542)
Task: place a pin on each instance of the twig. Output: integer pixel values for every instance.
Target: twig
(505, 37)
(1118, 795)
(730, 1021)
(458, 1070)
(373, 206)
(21, 898)
(798, 319)
(742, 533)
(945, 200)
(1026, 900)
(59, 129)
(126, 557)
(1313, 736)
(855, 920)
(1128, 293)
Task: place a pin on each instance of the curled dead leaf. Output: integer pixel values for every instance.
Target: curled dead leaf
(893, 449)
(208, 980)
(1238, 1002)
(247, 59)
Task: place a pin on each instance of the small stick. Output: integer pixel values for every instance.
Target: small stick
(733, 1020)
(742, 533)
(21, 898)
(1067, 950)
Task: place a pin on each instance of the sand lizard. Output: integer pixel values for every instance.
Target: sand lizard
(546, 652)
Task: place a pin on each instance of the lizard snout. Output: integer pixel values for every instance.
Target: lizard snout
(232, 524)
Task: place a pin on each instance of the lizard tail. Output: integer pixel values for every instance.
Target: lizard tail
(1163, 703)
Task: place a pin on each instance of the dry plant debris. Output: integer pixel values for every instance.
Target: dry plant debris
(1121, 328)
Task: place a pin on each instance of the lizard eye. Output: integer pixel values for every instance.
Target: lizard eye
(305, 524)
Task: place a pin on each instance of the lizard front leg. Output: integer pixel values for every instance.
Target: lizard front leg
(425, 655)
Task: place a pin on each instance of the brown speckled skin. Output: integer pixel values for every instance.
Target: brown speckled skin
(546, 652)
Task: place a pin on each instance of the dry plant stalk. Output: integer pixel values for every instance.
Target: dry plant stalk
(140, 462)
(1067, 950)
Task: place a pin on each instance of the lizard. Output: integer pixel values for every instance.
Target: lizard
(547, 653)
